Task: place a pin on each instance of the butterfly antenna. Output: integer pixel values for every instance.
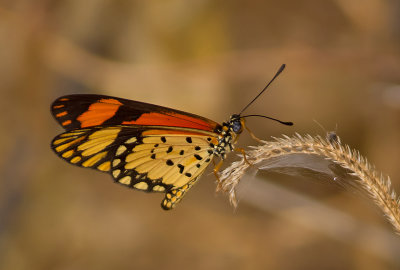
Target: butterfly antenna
(282, 122)
(265, 88)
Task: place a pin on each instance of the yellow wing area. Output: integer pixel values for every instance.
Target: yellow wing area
(162, 161)
(170, 162)
(87, 147)
(152, 160)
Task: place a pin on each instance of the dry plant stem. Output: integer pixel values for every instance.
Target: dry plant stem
(374, 184)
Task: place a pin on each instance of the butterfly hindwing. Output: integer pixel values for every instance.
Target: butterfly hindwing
(152, 159)
(162, 159)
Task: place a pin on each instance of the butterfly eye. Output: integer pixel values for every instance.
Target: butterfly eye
(237, 126)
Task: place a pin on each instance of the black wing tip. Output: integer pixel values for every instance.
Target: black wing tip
(69, 97)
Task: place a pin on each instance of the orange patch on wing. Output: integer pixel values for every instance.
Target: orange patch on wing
(58, 106)
(63, 99)
(171, 120)
(61, 114)
(99, 112)
(214, 140)
(110, 101)
(66, 123)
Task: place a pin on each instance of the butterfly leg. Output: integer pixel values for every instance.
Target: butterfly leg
(241, 150)
(174, 196)
(216, 169)
(252, 135)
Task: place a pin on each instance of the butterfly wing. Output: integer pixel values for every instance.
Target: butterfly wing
(169, 160)
(148, 158)
(84, 111)
(89, 148)
(143, 146)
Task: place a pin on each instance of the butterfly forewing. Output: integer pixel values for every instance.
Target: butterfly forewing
(83, 111)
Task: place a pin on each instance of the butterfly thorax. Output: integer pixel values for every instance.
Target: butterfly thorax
(228, 134)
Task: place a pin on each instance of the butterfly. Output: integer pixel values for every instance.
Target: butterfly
(143, 146)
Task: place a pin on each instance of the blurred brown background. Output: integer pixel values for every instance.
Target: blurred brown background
(209, 58)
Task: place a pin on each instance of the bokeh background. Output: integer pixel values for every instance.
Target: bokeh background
(209, 58)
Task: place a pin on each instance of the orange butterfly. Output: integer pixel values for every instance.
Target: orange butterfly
(143, 146)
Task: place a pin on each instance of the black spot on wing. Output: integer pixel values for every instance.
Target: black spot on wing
(181, 168)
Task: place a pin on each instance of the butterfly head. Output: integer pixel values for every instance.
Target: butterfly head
(236, 123)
